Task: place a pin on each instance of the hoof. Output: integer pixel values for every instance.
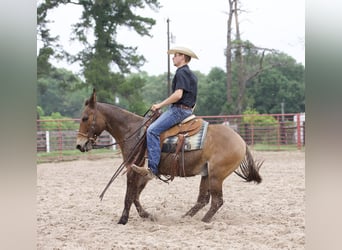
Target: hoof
(206, 220)
(123, 221)
(144, 214)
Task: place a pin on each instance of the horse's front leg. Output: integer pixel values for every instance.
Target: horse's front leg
(131, 195)
(141, 211)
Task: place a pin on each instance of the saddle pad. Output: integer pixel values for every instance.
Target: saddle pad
(193, 142)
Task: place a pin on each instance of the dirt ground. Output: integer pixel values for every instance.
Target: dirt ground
(270, 215)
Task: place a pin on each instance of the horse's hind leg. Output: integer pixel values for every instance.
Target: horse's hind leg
(216, 199)
(203, 197)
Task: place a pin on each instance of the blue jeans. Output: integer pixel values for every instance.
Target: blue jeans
(169, 118)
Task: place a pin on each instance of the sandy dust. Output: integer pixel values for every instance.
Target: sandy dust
(270, 215)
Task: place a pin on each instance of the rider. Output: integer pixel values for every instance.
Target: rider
(182, 100)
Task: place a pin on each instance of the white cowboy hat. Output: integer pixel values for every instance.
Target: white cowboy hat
(182, 50)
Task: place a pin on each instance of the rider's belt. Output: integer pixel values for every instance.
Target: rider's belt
(182, 106)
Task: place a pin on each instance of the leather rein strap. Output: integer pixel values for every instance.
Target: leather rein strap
(135, 153)
(94, 137)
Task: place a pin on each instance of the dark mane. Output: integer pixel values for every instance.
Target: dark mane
(115, 109)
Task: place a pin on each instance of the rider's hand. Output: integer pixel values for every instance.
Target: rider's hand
(155, 107)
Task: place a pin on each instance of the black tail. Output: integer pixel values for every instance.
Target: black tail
(249, 169)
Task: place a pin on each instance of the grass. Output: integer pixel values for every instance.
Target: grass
(267, 147)
(67, 155)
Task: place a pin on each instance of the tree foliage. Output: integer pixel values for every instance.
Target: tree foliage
(252, 117)
(257, 79)
(211, 93)
(61, 91)
(155, 89)
(243, 59)
(134, 101)
(283, 84)
(103, 59)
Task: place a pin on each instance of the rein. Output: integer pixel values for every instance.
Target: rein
(93, 139)
(135, 153)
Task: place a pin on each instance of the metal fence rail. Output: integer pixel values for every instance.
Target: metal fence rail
(286, 131)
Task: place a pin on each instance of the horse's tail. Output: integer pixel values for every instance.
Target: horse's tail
(249, 169)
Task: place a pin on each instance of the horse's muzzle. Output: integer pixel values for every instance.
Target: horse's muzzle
(83, 145)
(80, 148)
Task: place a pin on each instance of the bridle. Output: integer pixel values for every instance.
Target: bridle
(94, 136)
(91, 139)
(91, 136)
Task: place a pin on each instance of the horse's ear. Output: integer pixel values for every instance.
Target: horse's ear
(92, 100)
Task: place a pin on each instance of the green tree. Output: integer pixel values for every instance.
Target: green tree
(212, 93)
(61, 91)
(133, 100)
(104, 61)
(155, 88)
(49, 44)
(244, 61)
(276, 85)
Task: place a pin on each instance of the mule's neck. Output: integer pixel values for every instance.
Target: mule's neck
(121, 124)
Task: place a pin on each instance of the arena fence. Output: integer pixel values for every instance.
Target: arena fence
(57, 138)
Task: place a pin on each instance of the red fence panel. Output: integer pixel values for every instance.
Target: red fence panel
(281, 132)
(60, 135)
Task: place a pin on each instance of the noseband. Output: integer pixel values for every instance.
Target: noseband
(150, 118)
(92, 139)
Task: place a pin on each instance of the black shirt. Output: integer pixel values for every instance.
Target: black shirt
(186, 80)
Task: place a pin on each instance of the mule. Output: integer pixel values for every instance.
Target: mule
(223, 152)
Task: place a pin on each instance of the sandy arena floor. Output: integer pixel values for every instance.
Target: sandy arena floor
(270, 215)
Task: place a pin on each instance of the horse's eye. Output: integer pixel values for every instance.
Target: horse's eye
(85, 118)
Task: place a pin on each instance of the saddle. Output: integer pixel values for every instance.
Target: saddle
(190, 126)
(186, 128)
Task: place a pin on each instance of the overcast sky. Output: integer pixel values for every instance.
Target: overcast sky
(201, 26)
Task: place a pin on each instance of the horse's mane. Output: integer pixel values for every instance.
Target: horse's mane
(137, 155)
(120, 109)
